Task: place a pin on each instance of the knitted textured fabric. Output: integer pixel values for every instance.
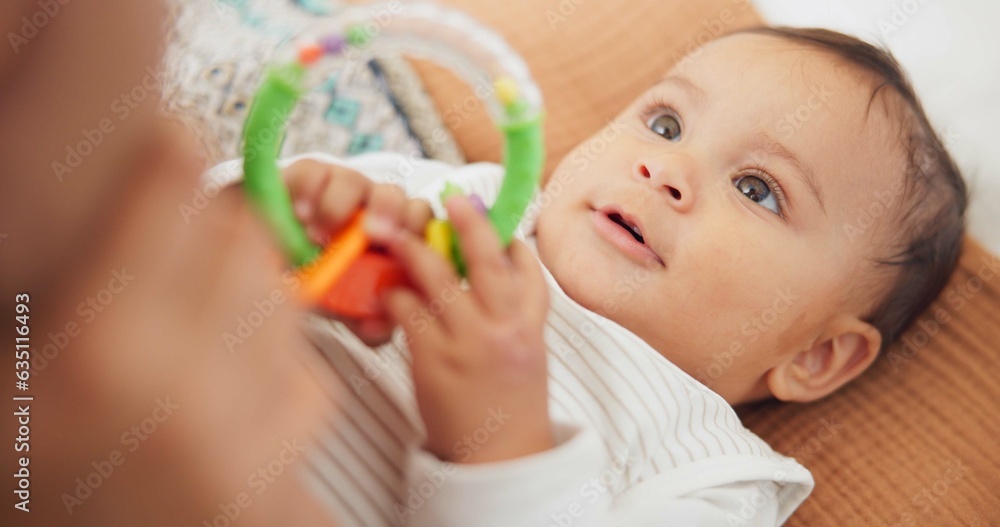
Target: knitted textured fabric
(916, 441)
(216, 59)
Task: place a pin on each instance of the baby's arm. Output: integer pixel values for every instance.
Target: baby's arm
(477, 351)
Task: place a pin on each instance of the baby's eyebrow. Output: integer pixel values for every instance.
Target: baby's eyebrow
(697, 94)
(770, 145)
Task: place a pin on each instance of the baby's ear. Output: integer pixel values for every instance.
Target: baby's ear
(846, 350)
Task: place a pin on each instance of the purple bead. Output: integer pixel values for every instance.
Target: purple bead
(477, 202)
(333, 44)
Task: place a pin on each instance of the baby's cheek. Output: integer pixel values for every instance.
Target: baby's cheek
(732, 271)
(797, 301)
(747, 289)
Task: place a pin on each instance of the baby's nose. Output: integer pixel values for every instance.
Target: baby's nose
(672, 176)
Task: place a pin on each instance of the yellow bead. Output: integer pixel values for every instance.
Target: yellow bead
(507, 90)
(438, 235)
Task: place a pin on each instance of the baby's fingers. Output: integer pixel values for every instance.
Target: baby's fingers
(490, 268)
(306, 180)
(406, 309)
(418, 214)
(390, 210)
(431, 274)
(385, 212)
(341, 198)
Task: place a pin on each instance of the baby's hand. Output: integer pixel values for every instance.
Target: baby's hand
(478, 355)
(325, 197)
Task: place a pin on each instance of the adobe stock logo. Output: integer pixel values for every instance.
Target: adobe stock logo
(819, 98)
(104, 468)
(711, 29)
(31, 25)
(122, 107)
(901, 15)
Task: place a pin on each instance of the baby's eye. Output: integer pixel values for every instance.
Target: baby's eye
(757, 190)
(666, 124)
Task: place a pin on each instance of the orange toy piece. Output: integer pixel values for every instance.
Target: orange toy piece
(356, 293)
(347, 278)
(319, 276)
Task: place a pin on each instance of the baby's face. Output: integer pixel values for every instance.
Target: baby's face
(743, 176)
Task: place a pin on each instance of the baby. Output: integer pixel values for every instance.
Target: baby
(566, 392)
(711, 256)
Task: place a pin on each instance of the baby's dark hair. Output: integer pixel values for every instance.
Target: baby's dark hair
(925, 236)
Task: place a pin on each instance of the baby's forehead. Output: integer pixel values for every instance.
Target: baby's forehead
(812, 102)
(778, 61)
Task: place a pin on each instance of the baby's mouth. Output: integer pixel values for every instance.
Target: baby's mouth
(624, 232)
(632, 228)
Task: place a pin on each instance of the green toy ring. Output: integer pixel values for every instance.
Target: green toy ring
(283, 85)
